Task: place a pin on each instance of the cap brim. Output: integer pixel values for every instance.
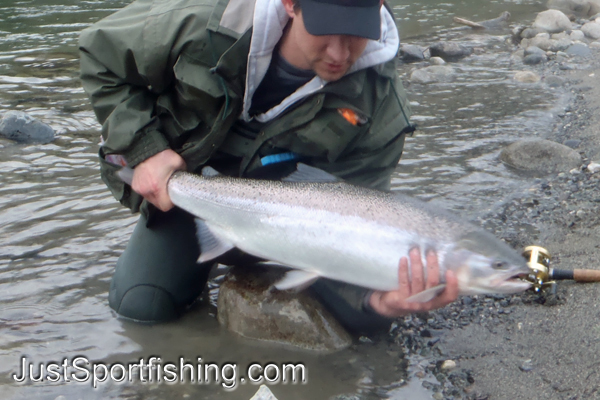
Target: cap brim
(333, 19)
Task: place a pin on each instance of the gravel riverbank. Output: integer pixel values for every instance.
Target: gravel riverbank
(529, 345)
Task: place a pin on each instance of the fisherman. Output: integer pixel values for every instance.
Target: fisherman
(248, 88)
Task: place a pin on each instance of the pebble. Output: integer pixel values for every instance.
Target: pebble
(593, 167)
(526, 366)
(448, 365)
(437, 61)
(595, 45)
(577, 35)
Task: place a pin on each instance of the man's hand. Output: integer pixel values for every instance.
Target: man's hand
(150, 177)
(393, 303)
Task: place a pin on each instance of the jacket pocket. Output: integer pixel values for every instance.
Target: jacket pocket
(326, 137)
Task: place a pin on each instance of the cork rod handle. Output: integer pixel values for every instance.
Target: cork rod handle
(586, 275)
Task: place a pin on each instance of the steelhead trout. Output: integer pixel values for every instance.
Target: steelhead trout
(322, 227)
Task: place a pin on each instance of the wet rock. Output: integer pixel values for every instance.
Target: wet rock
(562, 57)
(591, 30)
(579, 50)
(433, 74)
(264, 393)
(561, 44)
(578, 7)
(552, 21)
(497, 23)
(543, 41)
(411, 53)
(559, 36)
(538, 155)
(526, 77)
(249, 306)
(572, 143)
(22, 128)
(530, 33)
(449, 51)
(534, 55)
(534, 50)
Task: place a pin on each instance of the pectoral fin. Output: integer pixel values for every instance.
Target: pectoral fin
(427, 294)
(296, 279)
(211, 246)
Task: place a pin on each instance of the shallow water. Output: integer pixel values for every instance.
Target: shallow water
(61, 231)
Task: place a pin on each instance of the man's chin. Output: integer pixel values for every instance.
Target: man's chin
(331, 76)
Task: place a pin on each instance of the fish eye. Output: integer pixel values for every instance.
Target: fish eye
(499, 265)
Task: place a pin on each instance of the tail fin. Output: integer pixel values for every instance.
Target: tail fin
(126, 175)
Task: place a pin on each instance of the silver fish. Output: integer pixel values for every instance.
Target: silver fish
(322, 227)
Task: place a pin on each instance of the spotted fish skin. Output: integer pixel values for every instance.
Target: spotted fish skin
(340, 231)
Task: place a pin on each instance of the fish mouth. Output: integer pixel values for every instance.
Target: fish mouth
(513, 282)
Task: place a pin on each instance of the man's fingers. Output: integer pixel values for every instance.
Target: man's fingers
(433, 269)
(416, 269)
(403, 278)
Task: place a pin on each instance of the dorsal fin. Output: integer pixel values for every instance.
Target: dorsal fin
(306, 173)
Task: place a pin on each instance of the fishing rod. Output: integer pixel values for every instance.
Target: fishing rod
(544, 277)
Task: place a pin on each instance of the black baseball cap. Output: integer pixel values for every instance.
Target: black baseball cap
(342, 17)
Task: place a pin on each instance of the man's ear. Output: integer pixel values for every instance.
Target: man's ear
(289, 7)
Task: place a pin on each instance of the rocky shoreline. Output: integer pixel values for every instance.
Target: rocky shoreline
(491, 342)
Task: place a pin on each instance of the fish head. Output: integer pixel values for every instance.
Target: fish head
(484, 264)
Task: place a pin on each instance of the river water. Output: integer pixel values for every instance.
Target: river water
(61, 231)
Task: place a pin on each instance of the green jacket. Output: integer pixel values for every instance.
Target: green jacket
(171, 74)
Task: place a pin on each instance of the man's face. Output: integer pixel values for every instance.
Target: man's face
(329, 56)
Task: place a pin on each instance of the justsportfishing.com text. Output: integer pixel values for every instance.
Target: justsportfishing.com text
(155, 370)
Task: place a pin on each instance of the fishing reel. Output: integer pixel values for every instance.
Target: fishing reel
(538, 260)
(543, 277)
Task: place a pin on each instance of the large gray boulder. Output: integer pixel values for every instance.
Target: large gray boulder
(540, 156)
(22, 128)
(249, 306)
(552, 21)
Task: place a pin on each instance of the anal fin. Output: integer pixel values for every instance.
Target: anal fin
(427, 294)
(211, 246)
(296, 279)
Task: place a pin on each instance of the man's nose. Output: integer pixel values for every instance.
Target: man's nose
(338, 48)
